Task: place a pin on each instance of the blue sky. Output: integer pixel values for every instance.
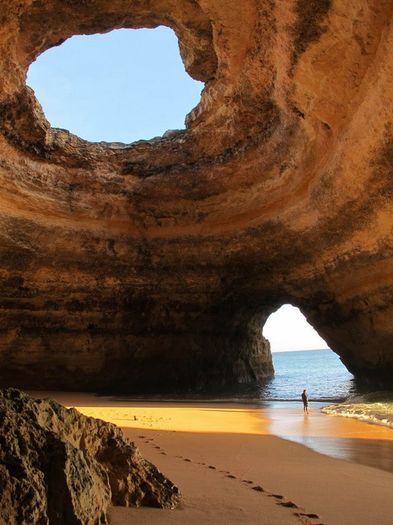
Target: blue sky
(128, 85)
(121, 86)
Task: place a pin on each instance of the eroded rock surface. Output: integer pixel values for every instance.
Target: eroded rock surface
(60, 467)
(153, 265)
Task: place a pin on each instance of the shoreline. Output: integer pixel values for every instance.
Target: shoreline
(374, 408)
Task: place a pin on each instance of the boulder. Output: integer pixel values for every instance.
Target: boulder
(60, 467)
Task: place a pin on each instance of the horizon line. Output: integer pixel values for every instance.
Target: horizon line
(301, 350)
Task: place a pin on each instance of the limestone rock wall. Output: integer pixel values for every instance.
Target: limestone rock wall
(152, 265)
(58, 466)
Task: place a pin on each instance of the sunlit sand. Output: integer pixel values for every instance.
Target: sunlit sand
(189, 418)
(232, 469)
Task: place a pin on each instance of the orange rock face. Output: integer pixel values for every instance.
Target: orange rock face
(153, 265)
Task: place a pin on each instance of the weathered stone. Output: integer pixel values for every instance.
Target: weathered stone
(152, 266)
(60, 467)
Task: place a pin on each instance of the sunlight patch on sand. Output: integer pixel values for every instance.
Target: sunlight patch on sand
(184, 418)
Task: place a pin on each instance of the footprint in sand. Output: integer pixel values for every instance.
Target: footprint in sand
(230, 476)
(277, 496)
(164, 453)
(188, 460)
(288, 504)
(258, 488)
(211, 467)
(310, 515)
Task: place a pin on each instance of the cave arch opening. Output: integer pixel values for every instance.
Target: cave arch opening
(288, 330)
(302, 359)
(122, 86)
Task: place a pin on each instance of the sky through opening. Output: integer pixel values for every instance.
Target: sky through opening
(121, 86)
(288, 330)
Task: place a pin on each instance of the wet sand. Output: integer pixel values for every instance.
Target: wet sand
(232, 469)
(336, 436)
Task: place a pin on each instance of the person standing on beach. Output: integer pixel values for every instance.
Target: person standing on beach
(305, 401)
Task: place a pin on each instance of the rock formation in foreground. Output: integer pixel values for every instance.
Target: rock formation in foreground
(60, 467)
(154, 265)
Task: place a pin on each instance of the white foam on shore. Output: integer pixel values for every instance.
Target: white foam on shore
(372, 408)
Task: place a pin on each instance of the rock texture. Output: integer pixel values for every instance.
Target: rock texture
(153, 265)
(60, 467)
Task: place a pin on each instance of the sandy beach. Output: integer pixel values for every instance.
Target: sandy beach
(232, 467)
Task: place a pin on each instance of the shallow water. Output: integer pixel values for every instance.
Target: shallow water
(338, 437)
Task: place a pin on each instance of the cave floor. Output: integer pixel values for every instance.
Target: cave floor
(222, 455)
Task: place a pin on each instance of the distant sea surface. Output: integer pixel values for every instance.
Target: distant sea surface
(320, 371)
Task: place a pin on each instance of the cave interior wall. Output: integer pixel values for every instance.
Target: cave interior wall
(153, 265)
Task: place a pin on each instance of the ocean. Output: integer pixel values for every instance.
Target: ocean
(320, 371)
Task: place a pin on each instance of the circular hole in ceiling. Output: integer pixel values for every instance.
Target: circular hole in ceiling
(121, 86)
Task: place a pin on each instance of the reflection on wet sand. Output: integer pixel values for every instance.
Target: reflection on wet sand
(335, 436)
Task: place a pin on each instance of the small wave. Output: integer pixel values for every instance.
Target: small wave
(375, 407)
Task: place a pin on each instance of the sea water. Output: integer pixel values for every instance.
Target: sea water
(321, 372)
